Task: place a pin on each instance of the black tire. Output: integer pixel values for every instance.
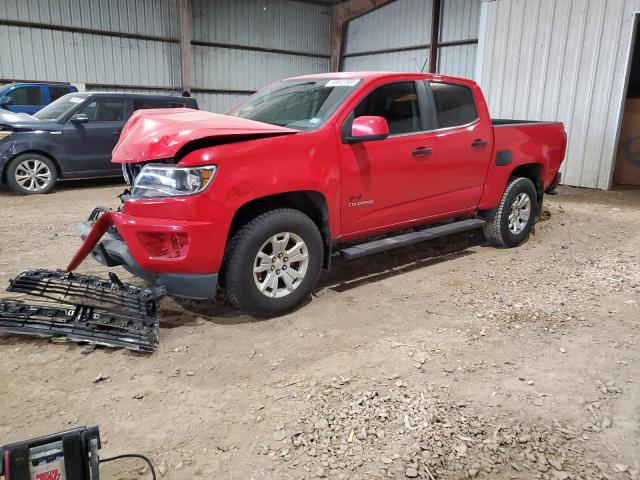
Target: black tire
(241, 256)
(31, 186)
(497, 229)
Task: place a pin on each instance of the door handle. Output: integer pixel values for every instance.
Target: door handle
(478, 143)
(117, 132)
(421, 151)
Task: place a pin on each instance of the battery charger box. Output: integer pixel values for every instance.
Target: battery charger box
(62, 456)
(47, 462)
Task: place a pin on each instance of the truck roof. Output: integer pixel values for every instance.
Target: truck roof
(376, 75)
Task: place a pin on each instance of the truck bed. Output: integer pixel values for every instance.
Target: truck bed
(505, 122)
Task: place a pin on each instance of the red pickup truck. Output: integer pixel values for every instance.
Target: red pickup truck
(256, 201)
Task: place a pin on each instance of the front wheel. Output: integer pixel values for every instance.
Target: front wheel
(31, 173)
(510, 224)
(273, 262)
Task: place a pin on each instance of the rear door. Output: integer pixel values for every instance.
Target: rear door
(25, 98)
(383, 182)
(465, 143)
(89, 145)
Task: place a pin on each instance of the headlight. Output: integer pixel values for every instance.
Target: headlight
(169, 181)
(5, 133)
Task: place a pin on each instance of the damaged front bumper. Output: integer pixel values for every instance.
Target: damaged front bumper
(82, 308)
(106, 245)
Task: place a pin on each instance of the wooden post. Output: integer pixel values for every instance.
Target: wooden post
(337, 30)
(435, 36)
(185, 21)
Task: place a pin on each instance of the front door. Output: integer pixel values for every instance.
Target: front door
(25, 99)
(89, 144)
(384, 182)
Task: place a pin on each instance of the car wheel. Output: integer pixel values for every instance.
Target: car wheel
(273, 262)
(31, 173)
(510, 224)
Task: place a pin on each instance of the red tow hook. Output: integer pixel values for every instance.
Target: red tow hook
(98, 229)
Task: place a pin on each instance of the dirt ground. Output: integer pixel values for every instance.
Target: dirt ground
(450, 359)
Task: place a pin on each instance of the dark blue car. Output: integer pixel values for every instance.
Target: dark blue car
(71, 138)
(31, 97)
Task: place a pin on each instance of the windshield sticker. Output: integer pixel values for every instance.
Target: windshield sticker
(343, 82)
(76, 100)
(314, 120)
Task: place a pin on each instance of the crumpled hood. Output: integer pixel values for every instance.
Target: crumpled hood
(162, 133)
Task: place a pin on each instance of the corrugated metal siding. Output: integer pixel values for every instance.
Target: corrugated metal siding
(229, 68)
(458, 60)
(566, 61)
(279, 24)
(144, 17)
(403, 23)
(459, 20)
(408, 61)
(406, 23)
(218, 102)
(51, 55)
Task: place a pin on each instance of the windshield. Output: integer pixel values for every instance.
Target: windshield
(298, 104)
(52, 111)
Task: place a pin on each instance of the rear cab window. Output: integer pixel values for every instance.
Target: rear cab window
(399, 105)
(454, 104)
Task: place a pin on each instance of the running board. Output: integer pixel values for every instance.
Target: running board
(410, 238)
(82, 308)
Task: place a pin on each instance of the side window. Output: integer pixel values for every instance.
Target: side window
(105, 110)
(397, 103)
(142, 104)
(26, 96)
(454, 104)
(57, 92)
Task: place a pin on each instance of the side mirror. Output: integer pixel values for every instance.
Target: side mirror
(368, 128)
(80, 118)
(5, 101)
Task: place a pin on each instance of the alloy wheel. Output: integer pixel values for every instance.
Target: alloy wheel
(520, 213)
(281, 265)
(33, 175)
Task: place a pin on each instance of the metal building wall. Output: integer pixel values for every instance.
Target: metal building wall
(397, 36)
(459, 21)
(561, 60)
(404, 25)
(240, 46)
(130, 44)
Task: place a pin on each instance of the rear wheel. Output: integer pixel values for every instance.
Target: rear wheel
(31, 173)
(510, 224)
(273, 262)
